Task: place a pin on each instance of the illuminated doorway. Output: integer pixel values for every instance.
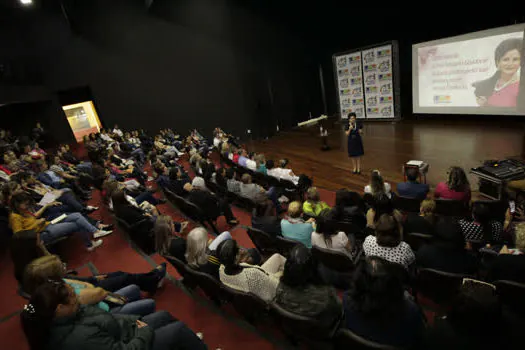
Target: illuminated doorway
(82, 118)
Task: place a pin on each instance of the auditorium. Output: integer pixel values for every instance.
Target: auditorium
(249, 174)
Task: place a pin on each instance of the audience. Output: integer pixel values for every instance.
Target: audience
(294, 227)
(510, 263)
(210, 205)
(232, 183)
(412, 188)
(252, 191)
(261, 281)
(381, 204)
(447, 251)
(262, 219)
(476, 320)
(313, 206)
(327, 237)
(377, 186)
(387, 243)
(377, 309)
(301, 292)
(54, 319)
(199, 254)
(422, 222)
(348, 208)
(457, 186)
(481, 227)
(167, 242)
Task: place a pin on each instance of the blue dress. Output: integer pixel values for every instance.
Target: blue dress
(355, 143)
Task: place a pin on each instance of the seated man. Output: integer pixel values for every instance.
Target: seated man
(262, 219)
(283, 172)
(412, 188)
(252, 191)
(294, 227)
(210, 205)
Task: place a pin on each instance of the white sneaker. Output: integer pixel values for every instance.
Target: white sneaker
(101, 233)
(89, 207)
(200, 335)
(95, 245)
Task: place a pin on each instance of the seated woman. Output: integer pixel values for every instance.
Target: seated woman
(376, 307)
(510, 263)
(260, 164)
(169, 237)
(482, 227)
(92, 291)
(200, 255)
(259, 280)
(377, 186)
(232, 183)
(476, 311)
(457, 186)
(294, 227)
(422, 222)
(387, 243)
(130, 212)
(301, 292)
(447, 251)
(264, 220)
(382, 205)
(22, 218)
(144, 199)
(327, 237)
(314, 206)
(54, 319)
(349, 207)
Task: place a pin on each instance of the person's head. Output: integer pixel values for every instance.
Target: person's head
(312, 195)
(270, 164)
(327, 228)
(230, 173)
(8, 189)
(377, 291)
(427, 208)
(447, 233)
(119, 199)
(376, 182)
(160, 169)
(519, 239)
(476, 310)
(300, 268)
(116, 126)
(21, 203)
(246, 179)
(412, 174)
(163, 231)
(198, 183)
(38, 125)
(481, 214)
(259, 159)
(352, 117)
(196, 245)
(508, 56)
(27, 148)
(295, 209)
(457, 179)
(381, 204)
(283, 163)
(54, 299)
(42, 269)
(175, 173)
(110, 186)
(225, 147)
(387, 231)
(228, 254)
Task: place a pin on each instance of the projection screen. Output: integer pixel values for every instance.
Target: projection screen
(476, 73)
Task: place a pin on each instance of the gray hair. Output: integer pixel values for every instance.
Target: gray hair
(196, 245)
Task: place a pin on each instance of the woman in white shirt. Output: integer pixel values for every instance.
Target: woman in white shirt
(326, 236)
(259, 280)
(377, 186)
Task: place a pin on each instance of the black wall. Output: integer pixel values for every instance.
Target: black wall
(180, 64)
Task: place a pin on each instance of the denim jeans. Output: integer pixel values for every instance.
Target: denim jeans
(146, 197)
(135, 305)
(73, 223)
(69, 199)
(171, 334)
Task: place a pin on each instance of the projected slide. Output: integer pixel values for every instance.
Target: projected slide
(478, 73)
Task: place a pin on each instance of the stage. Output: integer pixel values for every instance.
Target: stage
(389, 145)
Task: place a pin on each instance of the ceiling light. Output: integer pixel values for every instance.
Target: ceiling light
(26, 2)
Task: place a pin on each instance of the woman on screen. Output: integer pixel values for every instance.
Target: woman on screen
(501, 90)
(355, 143)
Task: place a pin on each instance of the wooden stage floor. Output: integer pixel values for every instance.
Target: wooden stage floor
(389, 145)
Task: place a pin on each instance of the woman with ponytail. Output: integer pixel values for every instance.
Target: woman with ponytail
(54, 319)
